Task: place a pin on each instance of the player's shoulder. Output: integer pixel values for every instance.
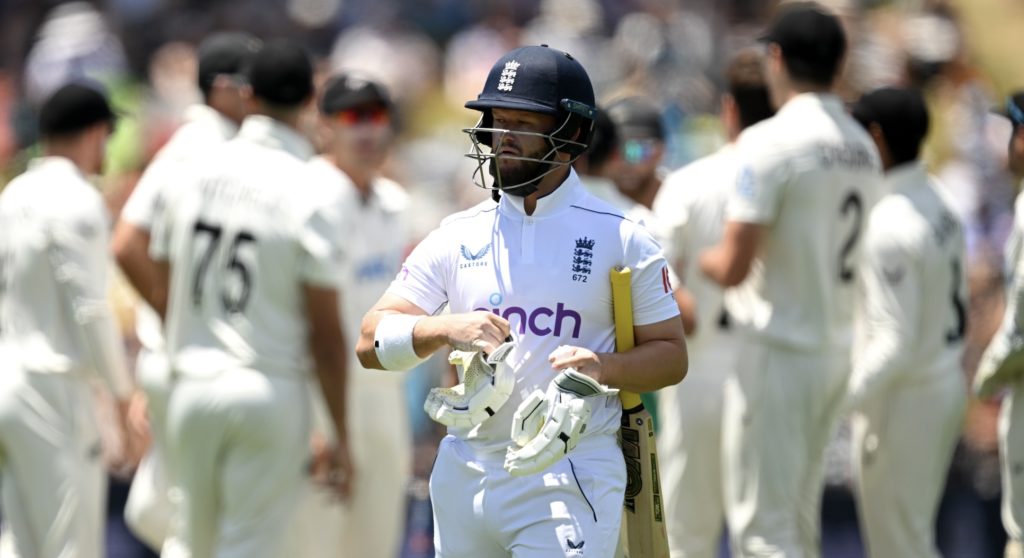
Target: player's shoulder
(482, 212)
(393, 197)
(589, 206)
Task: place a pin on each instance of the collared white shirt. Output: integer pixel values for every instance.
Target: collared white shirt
(54, 312)
(204, 129)
(376, 240)
(548, 274)
(810, 175)
(915, 288)
(243, 234)
(690, 207)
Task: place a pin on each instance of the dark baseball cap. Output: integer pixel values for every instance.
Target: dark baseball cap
(812, 40)
(636, 117)
(225, 53)
(345, 91)
(73, 108)
(282, 74)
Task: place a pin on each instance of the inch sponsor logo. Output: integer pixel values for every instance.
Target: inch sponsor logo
(542, 321)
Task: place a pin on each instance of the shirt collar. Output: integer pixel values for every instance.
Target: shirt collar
(827, 101)
(59, 164)
(564, 196)
(207, 115)
(906, 177)
(269, 132)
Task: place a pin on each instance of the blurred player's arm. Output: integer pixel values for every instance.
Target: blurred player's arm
(892, 299)
(687, 309)
(729, 263)
(131, 238)
(328, 348)
(480, 331)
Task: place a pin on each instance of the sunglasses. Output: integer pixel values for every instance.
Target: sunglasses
(638, 150)
(369, 115)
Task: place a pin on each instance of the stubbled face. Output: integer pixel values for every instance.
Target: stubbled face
(505, 146)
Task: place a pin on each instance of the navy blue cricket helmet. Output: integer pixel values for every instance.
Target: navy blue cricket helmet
(536, 79)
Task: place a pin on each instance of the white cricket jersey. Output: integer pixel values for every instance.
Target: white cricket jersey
(810, 174)
(548, 275)
(242, 235)
(690, 208)
(203, 130)
(376, 240)
(54, 312)
(915, 287)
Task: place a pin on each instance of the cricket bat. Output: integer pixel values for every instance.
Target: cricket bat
(643, 521)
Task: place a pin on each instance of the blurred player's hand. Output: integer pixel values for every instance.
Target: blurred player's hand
(476, 331)
(581, 360)
(332, 466)
(134, 441)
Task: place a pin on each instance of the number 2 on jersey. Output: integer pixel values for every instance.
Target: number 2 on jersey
(232, 302)
(851, 203)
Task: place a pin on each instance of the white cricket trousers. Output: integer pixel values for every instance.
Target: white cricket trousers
(902, 447)
(148, 511)
(1011, 456)
(237, 447)
(690, 453)
(780, 409)
(573, 508)
(372, 524)
(53, 482)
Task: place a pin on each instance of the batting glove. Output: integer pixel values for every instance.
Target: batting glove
(486, 383)
(547, 427)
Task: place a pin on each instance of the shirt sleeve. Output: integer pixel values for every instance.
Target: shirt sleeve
(320, 243)
(761, 176)
(892, 302)
(142, 205)
(651, 286)
(77, 250)
(423, 278)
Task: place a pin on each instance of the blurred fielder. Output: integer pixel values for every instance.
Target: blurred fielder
(1001, 367)
(794, 223)
(357, 117)
(691, 208)
(57, 333)
(531, 466)
(223, 59)
(250, 251)
(907, 371)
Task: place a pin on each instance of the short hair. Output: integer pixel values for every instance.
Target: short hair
(902, 115)
(746, 82)
(812, 41)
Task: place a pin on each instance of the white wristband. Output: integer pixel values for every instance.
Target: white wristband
(392, 341)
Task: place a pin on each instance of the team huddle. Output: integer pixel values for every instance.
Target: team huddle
(808, 270)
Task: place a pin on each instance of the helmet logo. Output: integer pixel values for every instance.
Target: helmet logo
(508, 76)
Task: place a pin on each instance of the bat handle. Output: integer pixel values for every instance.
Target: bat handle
(629, 400)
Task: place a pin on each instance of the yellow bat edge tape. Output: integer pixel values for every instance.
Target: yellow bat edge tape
(622, 311)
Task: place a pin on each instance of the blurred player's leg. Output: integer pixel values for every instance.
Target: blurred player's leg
(779, 411)
(689, 450)
(1011, 452)
(53, 482)
(902, 449)
(148, 511)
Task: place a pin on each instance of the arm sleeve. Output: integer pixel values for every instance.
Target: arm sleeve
(143, 204)
(423, 278)
(761, 176)
(652, 285)
(77, 253)
(321, 254)
(892, 302)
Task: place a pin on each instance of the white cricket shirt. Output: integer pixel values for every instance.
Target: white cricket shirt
(810, 174)
(548, 274)
(54, 312)
(243, 234)
(915, 287)
(690, 208)
(204, 129)
(376, 240)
